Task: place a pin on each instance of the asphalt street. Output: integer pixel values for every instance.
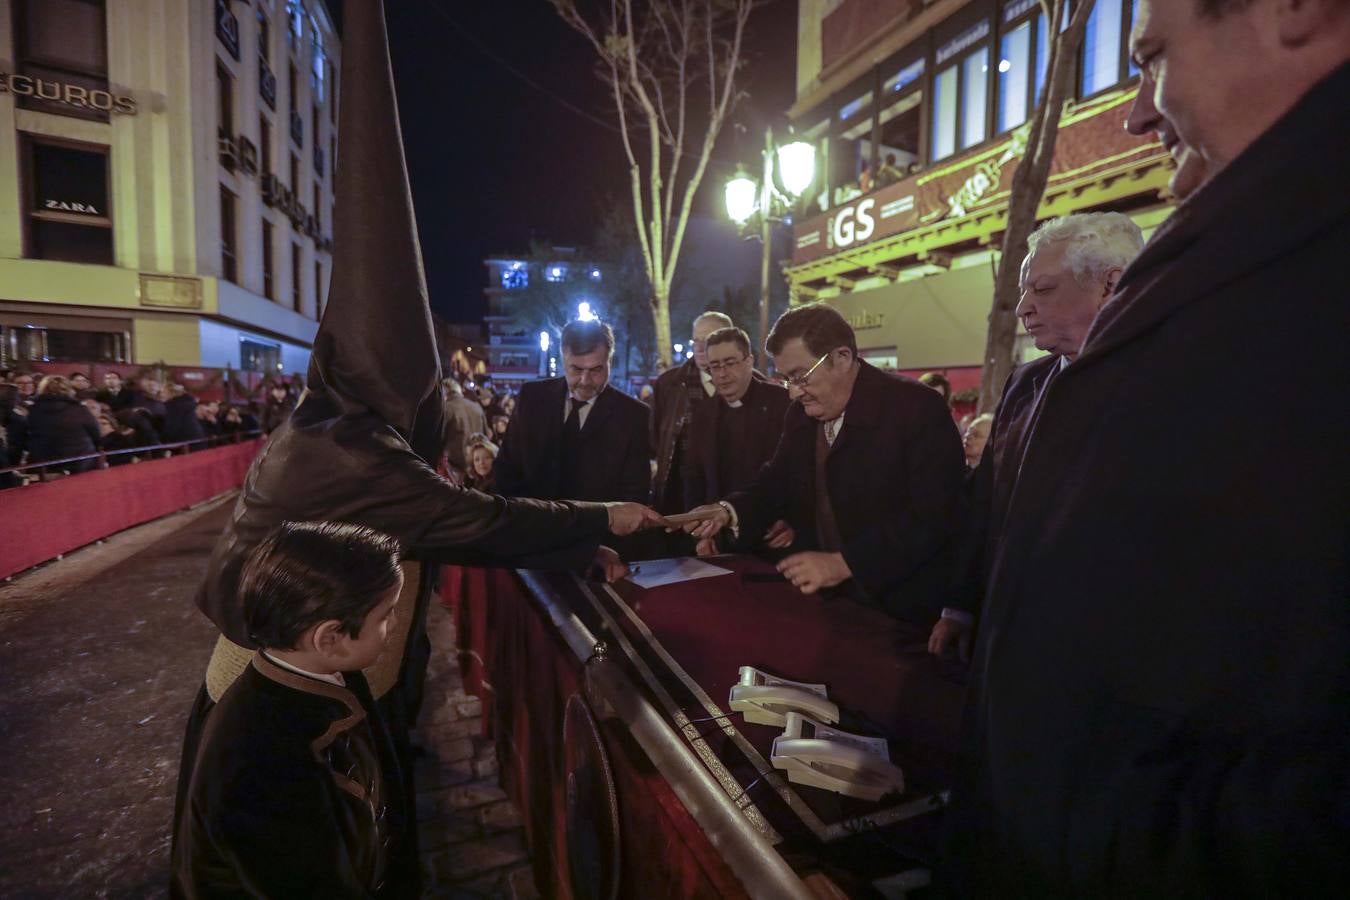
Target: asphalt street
(101, 654)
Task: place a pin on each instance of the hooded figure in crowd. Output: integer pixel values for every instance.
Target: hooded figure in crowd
(362, 444)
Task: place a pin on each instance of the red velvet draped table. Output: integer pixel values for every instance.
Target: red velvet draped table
(608, 706)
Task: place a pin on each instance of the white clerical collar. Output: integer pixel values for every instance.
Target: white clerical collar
(335, 678)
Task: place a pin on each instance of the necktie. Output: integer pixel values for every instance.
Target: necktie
(572, 427)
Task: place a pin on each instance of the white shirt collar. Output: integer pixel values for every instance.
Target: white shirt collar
(585, 410)
(335, 678)
(706, 380)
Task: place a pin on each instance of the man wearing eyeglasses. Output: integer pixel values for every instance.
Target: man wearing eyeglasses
(868, 474)
(734, 434)
(675, 395)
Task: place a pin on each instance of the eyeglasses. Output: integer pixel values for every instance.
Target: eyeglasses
(800, 381)
(717, 368)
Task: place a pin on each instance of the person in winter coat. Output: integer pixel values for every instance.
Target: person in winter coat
(180, 417)
(59, 427)
(278, 408)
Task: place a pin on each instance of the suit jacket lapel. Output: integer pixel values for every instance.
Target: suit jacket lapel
(602, 407)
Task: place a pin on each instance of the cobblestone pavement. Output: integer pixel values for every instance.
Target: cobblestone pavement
(101, 654)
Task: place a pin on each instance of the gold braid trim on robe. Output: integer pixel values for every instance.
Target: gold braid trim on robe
(229, 660)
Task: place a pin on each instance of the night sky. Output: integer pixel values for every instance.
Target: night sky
(495, 162)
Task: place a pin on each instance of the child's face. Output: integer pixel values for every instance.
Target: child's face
(362, 651)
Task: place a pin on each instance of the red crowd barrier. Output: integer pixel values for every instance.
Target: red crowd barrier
(42, 521)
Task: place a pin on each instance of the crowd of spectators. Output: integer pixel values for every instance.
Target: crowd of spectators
(477, 417)
(63, 420)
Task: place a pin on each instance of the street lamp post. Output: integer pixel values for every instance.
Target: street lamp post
(796, 170)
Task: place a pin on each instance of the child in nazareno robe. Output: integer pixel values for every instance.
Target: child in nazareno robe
(296, 789)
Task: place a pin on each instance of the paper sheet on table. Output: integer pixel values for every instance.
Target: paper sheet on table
(658, 572)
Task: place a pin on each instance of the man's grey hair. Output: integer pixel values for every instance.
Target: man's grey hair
(722, 319)
(1098, 242)
(453, 387)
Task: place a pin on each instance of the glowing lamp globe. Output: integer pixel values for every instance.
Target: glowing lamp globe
(797, 166)
(741, 192)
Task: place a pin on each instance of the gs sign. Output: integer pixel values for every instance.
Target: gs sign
(853, 223)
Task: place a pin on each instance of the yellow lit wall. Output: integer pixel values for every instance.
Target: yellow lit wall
(170, 339)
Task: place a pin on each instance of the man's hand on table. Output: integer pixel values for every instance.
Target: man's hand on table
(706, 547)
(780, 535)
(948, 632)
(813, 571)
(607, 565)
(626, 518)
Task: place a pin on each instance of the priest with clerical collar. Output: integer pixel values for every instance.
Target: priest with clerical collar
(735, 434)
(868, 474)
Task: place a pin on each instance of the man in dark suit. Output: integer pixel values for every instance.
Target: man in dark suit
(1158, 698)
(675, 395)
(868, 474)
(576, 437)
(1069, 273)
(735, 433)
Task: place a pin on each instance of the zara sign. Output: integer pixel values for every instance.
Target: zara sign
(853, 223)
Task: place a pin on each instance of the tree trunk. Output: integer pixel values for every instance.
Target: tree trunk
(661, 321)
(1028, 188)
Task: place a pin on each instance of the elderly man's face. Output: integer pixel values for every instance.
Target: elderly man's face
(1201, 85)
(1056, 310)
(699, 340)
(825, 392)
(586, 373)
(731, 370)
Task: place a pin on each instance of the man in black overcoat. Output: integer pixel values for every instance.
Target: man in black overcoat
(868, 475)
(1069, 273)
(1160, 697)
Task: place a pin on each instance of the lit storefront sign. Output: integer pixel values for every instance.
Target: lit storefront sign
(1091, 144)
(67, 94)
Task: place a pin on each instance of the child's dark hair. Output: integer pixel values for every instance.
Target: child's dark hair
(309, 572)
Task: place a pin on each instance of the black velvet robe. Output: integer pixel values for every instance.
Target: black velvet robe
(290, 795)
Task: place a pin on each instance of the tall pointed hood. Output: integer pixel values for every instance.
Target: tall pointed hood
(375, 349)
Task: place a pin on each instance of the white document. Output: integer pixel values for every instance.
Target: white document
(651, 573)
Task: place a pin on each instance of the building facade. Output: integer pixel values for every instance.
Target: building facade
(166, 181)
(919, 111)
(532, 297)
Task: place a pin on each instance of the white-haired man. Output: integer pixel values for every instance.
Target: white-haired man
(1069, 273)
(1158, 696)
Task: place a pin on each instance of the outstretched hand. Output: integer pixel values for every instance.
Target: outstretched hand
(626, 518)
(704, 521)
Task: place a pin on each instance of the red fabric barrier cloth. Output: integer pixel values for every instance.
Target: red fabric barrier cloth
(529, 674)
(42, 521)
